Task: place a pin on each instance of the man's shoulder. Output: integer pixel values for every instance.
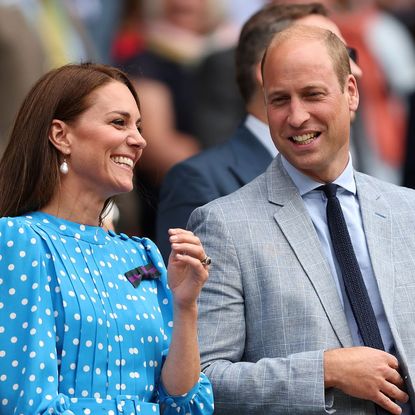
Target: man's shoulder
(380, 184)
(383, 189)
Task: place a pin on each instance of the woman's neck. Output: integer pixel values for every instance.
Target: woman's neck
(75, 208)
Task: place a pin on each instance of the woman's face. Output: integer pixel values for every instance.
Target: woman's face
(105, 143)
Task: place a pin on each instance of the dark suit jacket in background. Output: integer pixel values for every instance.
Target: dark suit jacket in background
(202, 178)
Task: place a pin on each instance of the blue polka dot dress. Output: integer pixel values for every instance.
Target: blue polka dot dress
(78, 333)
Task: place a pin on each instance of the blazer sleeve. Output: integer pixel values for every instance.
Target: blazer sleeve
(291, 384)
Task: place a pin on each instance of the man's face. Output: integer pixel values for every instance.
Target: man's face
(308, 111)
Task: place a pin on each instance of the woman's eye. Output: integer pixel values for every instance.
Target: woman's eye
(119, 122)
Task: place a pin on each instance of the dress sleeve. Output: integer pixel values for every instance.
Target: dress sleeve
(28, 354)
(199, 400)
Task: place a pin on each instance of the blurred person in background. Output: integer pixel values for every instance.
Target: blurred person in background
(129, 38)
(22, 63)
(35, 36)
(386, 52)
(101, 19)
(220, 107)
(403, 10)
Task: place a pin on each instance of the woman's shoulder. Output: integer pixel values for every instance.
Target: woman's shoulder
(14, 223)
(18, 226)
(22, 246)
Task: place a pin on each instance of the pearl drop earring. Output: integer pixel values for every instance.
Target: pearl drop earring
(64, 168)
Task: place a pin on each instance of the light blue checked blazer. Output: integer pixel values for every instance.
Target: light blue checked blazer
(270, 307)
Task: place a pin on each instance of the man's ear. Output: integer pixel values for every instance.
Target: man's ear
(353, 93)
(59, 137)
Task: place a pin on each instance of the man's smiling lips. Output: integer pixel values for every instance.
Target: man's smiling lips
(304, 138)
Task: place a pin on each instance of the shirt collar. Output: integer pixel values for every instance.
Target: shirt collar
(306, 184)
(261, 132)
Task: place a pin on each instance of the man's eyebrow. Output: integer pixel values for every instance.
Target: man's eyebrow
(277, 92)
(309, 87)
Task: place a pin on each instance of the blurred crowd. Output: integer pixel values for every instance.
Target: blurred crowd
(180, 55)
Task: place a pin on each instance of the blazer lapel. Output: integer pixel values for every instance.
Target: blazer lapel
(295, 223)
(251, 157)
(378, 228)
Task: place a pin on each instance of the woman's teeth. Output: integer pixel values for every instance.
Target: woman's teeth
(123, 160)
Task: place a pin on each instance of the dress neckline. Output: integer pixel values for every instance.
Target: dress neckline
(88, 233)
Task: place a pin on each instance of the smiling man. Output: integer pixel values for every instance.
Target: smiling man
(309, 105)
(309, 305)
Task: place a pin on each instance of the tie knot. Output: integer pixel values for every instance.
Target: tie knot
(329, 189)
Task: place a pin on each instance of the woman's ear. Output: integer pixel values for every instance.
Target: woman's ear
(58, 136)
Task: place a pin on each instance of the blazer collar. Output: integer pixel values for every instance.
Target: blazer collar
(281, 189)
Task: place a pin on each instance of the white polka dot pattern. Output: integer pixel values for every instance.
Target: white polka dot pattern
(75, 336)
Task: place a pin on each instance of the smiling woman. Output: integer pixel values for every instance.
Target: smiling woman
(86, 315)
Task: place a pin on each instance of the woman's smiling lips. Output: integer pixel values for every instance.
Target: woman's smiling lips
(123, 161)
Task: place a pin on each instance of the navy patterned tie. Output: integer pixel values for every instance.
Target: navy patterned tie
(352, 276)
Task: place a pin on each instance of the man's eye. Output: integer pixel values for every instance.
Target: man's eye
(279, 100)
(315, 94)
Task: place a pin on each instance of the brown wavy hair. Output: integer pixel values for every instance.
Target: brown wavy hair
(29, 168)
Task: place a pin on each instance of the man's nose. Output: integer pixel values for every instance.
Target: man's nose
(298, 113)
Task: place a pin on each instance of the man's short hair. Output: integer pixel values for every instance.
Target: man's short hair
(335, 47)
